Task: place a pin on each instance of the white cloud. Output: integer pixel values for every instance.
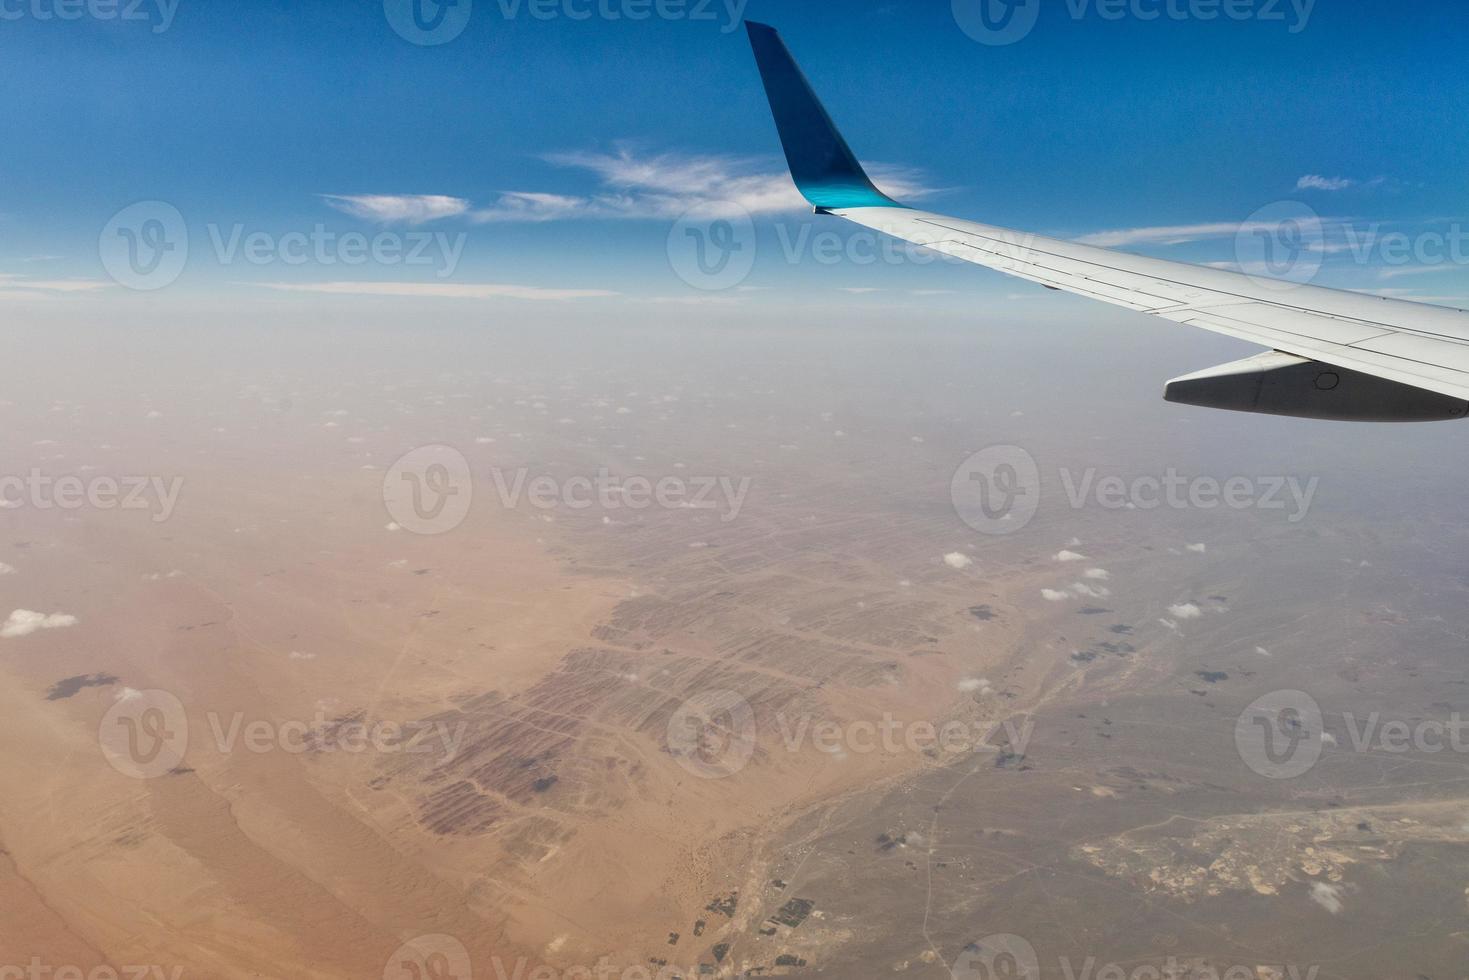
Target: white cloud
(408, 209)
(972, 684)
(1185, 610)
(24, 622)
(1068, 556)
(1327, 896)
(1197, 549)
(438, 290)
(532, 207)
(6, 569)
(631, 186)
(1316, 182)
(957, 559)
(1051, 595)
(1097, 574)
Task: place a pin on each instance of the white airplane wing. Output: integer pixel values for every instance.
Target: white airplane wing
(1332, 354)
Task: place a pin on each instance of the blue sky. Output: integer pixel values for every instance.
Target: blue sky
(551, 148)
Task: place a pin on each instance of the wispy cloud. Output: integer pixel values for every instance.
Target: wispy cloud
(438, 290)
(1173, 234)
(1317, 182)
(630, 186)
(12, 281)
(406, 209)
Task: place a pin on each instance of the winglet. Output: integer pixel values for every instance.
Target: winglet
(822, 164)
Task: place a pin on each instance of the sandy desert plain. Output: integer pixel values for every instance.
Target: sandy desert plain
(262, 729)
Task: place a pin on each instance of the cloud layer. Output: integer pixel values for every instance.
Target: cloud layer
(630, 186)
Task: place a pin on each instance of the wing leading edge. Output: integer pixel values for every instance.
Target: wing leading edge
(1354, 357)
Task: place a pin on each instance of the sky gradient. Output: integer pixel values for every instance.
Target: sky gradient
(547, 151)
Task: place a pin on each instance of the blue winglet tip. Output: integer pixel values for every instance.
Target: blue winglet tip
(822, 165)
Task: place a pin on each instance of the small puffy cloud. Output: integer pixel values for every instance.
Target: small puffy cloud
(1262, 651)
(975, 684)
(1052, 595)
(1327, 895)
(1068, 556)
(1198, 549)
(1185, 610)
(409, 209)
(957, 559)
(24, 622)
(6, 569)
(1097, 574)
(1094, 591)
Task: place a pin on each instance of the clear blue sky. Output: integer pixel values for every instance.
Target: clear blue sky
(253, 114)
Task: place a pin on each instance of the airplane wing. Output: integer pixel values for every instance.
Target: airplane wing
(1332, 354)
